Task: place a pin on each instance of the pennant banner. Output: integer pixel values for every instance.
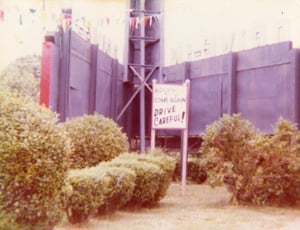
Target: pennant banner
(135, 22)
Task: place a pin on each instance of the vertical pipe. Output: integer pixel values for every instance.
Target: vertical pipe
(184, 161)
(153, 133)
(142, 69)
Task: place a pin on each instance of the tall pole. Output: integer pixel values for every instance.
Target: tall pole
(142, 74)
(162, 40)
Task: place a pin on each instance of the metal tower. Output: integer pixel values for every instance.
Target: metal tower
(143, 54)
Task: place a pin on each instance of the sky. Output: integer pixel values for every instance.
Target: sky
(194, 29)
(219, 26)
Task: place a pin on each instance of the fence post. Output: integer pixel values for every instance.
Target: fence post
(64, 73)
(295, 74)
(114, 82)
(93, 79)
(232, 81)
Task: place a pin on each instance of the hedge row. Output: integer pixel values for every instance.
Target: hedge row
(129, 180)
(160, 159)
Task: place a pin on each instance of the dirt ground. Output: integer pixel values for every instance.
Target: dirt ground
(200, 208)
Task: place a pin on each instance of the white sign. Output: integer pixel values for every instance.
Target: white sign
(170, 106)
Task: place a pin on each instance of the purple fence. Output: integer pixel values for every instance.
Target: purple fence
(261, 83)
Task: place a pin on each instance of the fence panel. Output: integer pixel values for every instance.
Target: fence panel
(80, 74)
(266, 85)
(261, 84)
(104, 84)
(208, 96)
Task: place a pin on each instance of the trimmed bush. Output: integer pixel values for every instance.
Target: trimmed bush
(167, 165)
(164, 162)
(33, 150)
(148, 176)
(95, 139)
(122, 186)
(97, 190)
(85, 192)
(257, 169)
(83, 198)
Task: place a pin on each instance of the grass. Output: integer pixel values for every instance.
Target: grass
(200, 208)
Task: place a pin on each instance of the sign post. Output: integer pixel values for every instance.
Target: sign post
(170, 107)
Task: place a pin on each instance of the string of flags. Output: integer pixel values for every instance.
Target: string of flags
(134, 22)
(101, 29)
(35, 15)
(23, 16)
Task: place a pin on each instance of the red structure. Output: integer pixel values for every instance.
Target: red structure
(46, 73)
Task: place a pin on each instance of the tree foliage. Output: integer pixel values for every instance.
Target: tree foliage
(22, 77)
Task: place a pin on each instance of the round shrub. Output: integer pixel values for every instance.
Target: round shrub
(33, 149)
(95, 139)
(147, 179)
(97, 190)
(83, 195)
(80, 203)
